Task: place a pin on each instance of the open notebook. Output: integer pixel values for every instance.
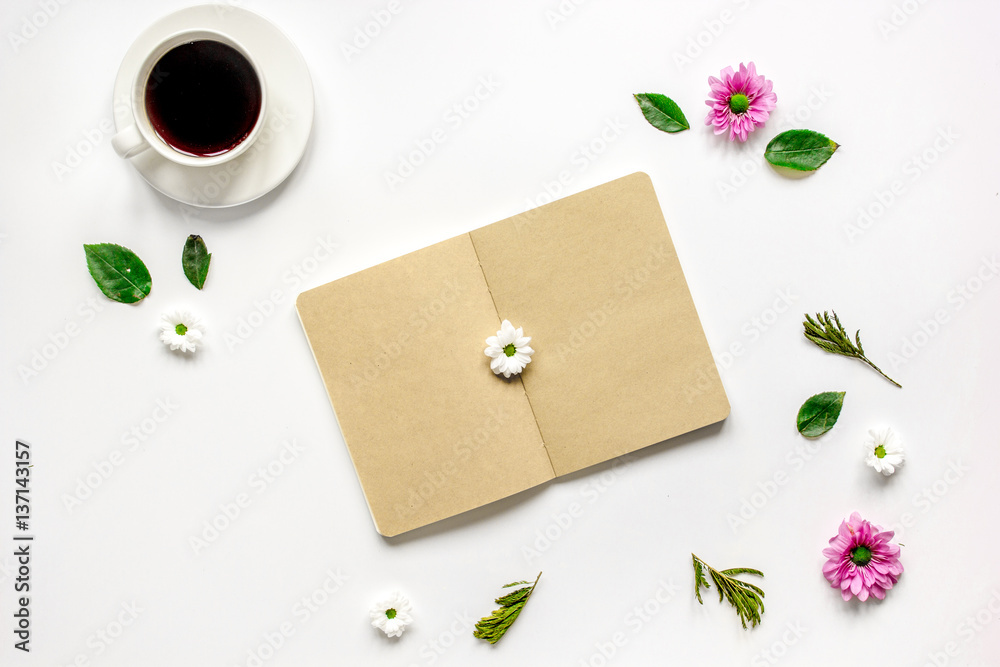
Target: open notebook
(621, 361)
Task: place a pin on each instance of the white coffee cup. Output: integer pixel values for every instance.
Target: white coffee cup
(141, 135)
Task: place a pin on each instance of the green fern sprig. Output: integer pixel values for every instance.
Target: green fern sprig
(830, 335)
(493, 627)
(746, 598)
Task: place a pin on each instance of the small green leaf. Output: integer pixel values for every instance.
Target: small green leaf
(803, 150)
(820, 413)
(118, 271)
(732, 572)
(662, 112)
(195, 260)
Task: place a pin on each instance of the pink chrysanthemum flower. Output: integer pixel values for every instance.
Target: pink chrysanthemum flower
(861, 561)
(740, 101)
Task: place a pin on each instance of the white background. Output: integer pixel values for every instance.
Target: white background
(894, 82)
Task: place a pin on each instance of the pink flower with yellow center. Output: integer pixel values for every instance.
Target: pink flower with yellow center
(740, 102)
(860, 560)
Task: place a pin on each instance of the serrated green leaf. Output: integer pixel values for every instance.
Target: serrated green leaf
(829, 334)
(662, 112)
(803, 150)
(746, 598)
(741, 570)
(699, 579)
(195, 260)
(493, 627)
(118, 272)
(818, 414)
(512, 598)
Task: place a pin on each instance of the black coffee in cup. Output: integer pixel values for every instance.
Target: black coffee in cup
(203, 98)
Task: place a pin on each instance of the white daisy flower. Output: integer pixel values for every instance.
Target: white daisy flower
(509, 350)
(181, 330)
(884, 451)
(392, 615)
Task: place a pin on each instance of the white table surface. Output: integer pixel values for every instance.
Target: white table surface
(910, 89)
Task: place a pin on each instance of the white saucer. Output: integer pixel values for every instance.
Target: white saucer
(283, 139)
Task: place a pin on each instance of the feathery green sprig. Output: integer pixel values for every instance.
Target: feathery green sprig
(493, 627)
(830, 335)
(746, 598)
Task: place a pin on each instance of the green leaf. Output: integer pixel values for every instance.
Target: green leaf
(118, 271)
(195, 260)
(829, 335)
(513, 598)
(732, 572)
(746, 599)
(820, 413)
(803, 150)
(492, 628)
(662, 112)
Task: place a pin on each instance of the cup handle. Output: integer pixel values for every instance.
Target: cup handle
(129, 142)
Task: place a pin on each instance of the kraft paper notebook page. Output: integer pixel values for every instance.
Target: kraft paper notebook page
(621, 361)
